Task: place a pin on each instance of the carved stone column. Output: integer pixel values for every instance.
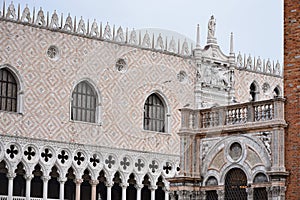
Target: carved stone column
(109, 186)
(269, 192)
(10, 177)
(45, 186)
(166, 194)
(202, 195)
(153, 188)
(28, 178)
(94, 183)
(249, 193)
(124, 187)
(282, 192)
(62, 181)
(78, 184)
(138, 191)
(221, 194)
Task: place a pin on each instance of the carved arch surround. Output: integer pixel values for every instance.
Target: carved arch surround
(247, 143)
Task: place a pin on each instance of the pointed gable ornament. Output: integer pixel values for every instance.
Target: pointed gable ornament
(54, 20)
(146, 40)
(69, 24)
(26, 15)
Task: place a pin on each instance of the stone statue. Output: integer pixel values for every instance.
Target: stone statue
(54, 20)
(133, 38)
(11, 11)
(94, 29)
(120, 35)
(69, 24)
(239, 61)
(26, 14)
(107, 32)
(159, 43)
(249, 62)
(146, 40)
(211, 27)
(185, 48)
(40, 19)
(258, 64)
(81, 26)
(172, 45)
(268, 67)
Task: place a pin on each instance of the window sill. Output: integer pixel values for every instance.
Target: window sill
(88, 123)
(156, 132)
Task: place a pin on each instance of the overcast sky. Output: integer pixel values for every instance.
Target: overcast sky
(257, 24)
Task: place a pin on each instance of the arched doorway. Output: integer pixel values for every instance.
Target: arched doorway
(235, 185)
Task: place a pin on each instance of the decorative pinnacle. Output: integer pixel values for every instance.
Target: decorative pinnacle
(231, 43)
(198, 36)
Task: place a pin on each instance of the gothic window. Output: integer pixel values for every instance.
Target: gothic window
(260, 192)
(83, 105)
(276, 92)
(154, 114)
(8, 91)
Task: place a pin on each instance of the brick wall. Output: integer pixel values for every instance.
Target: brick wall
(292, 88)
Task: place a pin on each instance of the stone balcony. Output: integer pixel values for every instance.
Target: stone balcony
(255, 115)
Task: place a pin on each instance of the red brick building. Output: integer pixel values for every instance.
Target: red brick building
(292, 88)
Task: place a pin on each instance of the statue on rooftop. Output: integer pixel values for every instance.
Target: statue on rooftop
(11, 11)
(54, 20)
(40, 19)
(26, 14)
(159, 43)
(68, 25)
(107, 32)
(258, 64)
(172, 45)
(81, 26)
(185, 48)
(268, 66)
(94, 29)
(211, 27)
(249, 62)
(239, 61)
(146, 40)
(120, 35)
(133, 38)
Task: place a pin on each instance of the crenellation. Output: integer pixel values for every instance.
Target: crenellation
(258, 65)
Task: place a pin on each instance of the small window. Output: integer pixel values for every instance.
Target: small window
(253, 92)
(276, 92)
(83, 107)
(8, 91)
(154, 114)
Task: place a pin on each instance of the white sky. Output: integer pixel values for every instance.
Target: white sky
(257, 24)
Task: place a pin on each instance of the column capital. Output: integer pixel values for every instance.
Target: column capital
(124, 185)
(45, 178)
(138, 186)
(78, 181)
(109, 184)
(152, 187)
(28, 176)
(11, 175)
(62, 179)
(94, 182)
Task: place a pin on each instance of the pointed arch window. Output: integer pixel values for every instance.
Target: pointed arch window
(8, 91)
(83, 105)
(154, 114)
(253, 92)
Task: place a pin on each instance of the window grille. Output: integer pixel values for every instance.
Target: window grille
(235, 185)
(84, 103)
(154, 114)
(8, 91)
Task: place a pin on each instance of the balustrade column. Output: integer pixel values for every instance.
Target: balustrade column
(153, 188)
(249, 193)
(10, 177)
(109, 186)
(62, 181)
(166, 194)
(45, 186)
(78, 183)
(28, 178)
(94, 183)
(124, 187)
(138, 191)
(221, 194)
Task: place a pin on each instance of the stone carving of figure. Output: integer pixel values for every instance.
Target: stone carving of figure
(69, 24)
(11, 11)
(146, 40)
(26, 14)
(211, 27)
(54, 20)
(172, 46)
(120, 35)
(185, 48)
(81, 26)
(268, 66)
(159, 43)
(239, 61)
(40, 20)
(133, 38)
(107, 32)
(266, 139)
(94, 29)
(277, 68)
(258, 64)
(249, 62)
